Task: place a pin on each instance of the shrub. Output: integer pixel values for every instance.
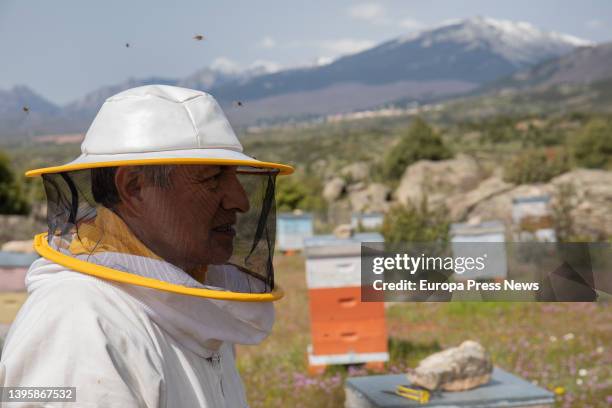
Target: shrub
(413, 223)
(536, 166)
(420, 142)
(592, 147)
(12, 200)
(299, 193)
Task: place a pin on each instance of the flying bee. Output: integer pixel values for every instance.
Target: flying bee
(198, 37)
(127, 45)
(26, 109)
(237, 103)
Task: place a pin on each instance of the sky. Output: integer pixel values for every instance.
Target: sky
(63, 49)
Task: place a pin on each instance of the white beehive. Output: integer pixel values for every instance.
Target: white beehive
(292, 229)
(369, 221)
(532, 219)
(473, 240)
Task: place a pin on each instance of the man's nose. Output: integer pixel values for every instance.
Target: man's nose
(235, 197)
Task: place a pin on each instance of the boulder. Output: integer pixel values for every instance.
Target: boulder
(356, 171)
(334, 189)
(460, 205)
(374, 198)
(438, 179)
(499, 206)
(356, 187)
(20, 227)
(592, 203)
(454, 369)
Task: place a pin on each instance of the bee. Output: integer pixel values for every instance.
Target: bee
(26, 109)
(198, 37)
(127, 45)
(238, 103)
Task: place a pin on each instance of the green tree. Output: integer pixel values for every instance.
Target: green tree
(536, 166)
(416, 223)
(592, 147)
(299, 193)
(12, 199)
(420, 142)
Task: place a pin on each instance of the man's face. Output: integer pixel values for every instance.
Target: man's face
(191, 222)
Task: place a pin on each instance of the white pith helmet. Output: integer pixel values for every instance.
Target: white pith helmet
(160, 124)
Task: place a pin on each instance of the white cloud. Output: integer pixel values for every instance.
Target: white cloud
(411, 24)
(267, 42)
(323, 61)
(225, 65)
(595, 24)
(345, 45)
(370, 12)
(265, 66)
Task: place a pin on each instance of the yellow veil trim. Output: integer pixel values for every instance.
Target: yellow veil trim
(44, 249)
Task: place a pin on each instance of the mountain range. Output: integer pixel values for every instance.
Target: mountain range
(447, 60)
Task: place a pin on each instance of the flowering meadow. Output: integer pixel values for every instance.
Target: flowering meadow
(563, 347)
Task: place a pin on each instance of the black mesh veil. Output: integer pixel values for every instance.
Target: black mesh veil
(197, 225)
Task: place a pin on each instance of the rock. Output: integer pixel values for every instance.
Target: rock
(459, 205)
(592, 203)
(438, 179)
(20, 227)
(356, 171)
(356, 187)
(319, 166)
(334, 189)
(374, 198)
(454, 369)
(499, 206)
(25, 247)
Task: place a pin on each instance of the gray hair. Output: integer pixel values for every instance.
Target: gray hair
(105, 191)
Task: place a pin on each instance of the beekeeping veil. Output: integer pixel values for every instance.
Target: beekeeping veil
(206, 219)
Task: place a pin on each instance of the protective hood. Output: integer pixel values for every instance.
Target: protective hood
(162, 181)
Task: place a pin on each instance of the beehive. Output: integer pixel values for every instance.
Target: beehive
(13, 268)
(367, 221)
(292, 229)
(344, 330)
(474, 240)
(532, 219)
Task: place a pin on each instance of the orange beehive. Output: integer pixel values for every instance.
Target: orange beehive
(344, 330)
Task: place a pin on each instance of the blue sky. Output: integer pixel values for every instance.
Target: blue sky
(65, 48)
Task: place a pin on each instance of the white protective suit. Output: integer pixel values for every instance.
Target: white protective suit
(129, 346)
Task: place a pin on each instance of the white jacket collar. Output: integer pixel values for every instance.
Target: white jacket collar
(199, 324)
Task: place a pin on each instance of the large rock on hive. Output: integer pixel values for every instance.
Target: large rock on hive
(455, 369)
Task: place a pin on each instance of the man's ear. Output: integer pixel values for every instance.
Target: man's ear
(129, 183)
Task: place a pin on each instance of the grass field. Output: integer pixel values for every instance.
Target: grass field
(564, 347)
(10, 302)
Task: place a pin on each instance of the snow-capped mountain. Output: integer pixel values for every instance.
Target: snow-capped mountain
(518, 42)
(451, 58)
(223, 71)
(446, 60)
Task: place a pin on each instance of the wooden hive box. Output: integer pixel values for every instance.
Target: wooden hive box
(13, 268)
(465, 240)
(504, 390)
(292, 229)
(367, 221)
(532, 218)
(344, 330)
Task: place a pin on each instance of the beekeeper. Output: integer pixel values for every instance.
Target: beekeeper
(157, 260)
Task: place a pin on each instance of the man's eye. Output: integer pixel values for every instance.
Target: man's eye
(211, 180)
